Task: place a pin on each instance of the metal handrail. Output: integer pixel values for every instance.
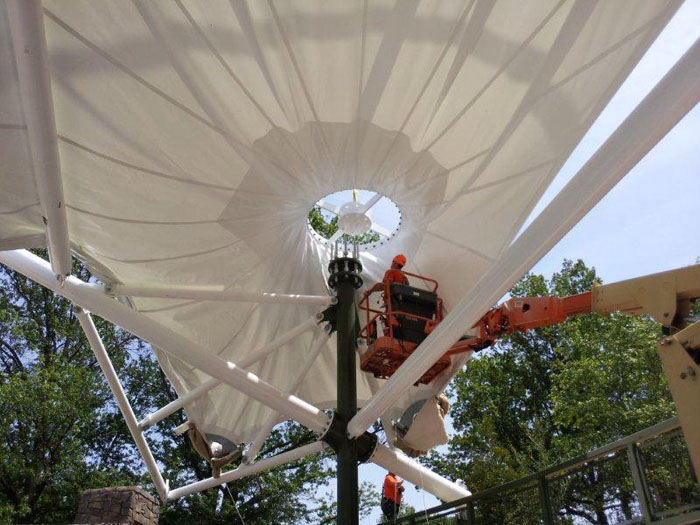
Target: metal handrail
(540, 480)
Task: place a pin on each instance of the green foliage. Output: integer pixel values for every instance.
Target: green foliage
(327, 508)
(58, 424)
(326, 228)
(62, 433)
(545, 396)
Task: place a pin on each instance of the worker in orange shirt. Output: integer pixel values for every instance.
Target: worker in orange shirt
(394, 274)
(391, 495)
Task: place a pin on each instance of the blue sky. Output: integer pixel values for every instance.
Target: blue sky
(650, 221)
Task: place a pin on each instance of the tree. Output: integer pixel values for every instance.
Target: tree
(58, 424)
(542, 397)
(62, 433)
(327, 509)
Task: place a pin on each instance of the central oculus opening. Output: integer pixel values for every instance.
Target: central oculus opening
(363, 216)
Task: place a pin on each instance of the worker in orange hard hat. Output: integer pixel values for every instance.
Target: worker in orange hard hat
(394, 274)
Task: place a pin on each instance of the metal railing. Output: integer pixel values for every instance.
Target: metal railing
(652, 469)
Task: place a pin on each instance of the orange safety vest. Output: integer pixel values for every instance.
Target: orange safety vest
(395, 276)
(391, 489)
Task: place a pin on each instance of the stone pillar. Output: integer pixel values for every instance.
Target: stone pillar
(131, 505)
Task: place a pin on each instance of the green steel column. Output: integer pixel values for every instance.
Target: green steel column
(348, 499)
(345, 279)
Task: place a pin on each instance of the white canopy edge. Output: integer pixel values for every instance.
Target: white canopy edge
(670, 100)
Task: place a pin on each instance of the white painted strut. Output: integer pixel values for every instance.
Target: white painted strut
(255, 356)
(257, 442)
(371, 202)
(26, 20)
(115, 386)
(676, 94)
(248, 470)
(216, 293)
(174, 406)
(91, 299)
(397, 462)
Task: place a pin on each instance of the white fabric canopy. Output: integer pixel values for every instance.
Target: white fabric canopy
(194, 138)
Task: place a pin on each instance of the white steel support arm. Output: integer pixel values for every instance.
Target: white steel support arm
(248, 470)
(115, 386)
(216, 293)
(328, 206)
(90, 298)
(271, 421)
(397, 462)
(172, 407)
(371, 202)
(26, 21)
(672, 98)
(255, 356)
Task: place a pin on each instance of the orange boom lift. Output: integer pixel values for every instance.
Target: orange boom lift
(407, 314)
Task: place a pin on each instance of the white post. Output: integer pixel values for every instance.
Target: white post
(26, 21)
(115, 386)
(676, 94)
(271, 421)
(412, 471)
(248, 470)
(254, 357)
(86, 296)
(215, 293)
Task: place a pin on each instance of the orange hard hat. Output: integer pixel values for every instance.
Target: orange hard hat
(400, 259)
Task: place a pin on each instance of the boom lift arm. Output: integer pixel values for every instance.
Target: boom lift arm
(520, 314)
(667, 297)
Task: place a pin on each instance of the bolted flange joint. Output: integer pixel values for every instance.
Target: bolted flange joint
(337, 433)
(330, 317)
(345, 269)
